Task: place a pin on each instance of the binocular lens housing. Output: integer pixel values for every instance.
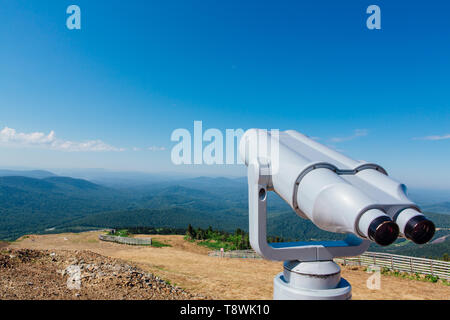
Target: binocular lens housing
(383, 231)
(415, 226)
(419, 229)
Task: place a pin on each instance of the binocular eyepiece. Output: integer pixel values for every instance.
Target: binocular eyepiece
(415, 226)
(410, 223)
(383, 231)
(419, 229)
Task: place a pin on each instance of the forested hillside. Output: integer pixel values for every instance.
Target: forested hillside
(57, 204)
(32, 205)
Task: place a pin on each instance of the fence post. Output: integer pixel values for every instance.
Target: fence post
(431, 267)
(411, 265)
(392, 262)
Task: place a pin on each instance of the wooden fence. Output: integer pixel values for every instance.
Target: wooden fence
(250, 254)
(400, 263)
(393, 262)
(126, 240)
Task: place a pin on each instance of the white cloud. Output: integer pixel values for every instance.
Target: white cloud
(154, 148)
(434, 138)
(357, 133)
(11, 138)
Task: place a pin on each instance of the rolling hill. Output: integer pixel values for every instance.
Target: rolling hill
(37, 174)
(32, 205)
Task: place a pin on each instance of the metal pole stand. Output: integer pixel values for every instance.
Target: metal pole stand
(316, 280)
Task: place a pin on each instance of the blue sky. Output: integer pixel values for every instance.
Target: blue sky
(113, 92)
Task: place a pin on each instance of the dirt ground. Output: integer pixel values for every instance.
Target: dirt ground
(61, 274)
(188, 266)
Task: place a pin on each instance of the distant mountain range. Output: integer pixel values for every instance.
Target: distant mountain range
(443, 207)
(38, 174)
(39, 200)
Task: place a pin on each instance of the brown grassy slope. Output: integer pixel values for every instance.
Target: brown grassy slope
(188, 266)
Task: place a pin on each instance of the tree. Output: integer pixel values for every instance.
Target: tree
(190, 232)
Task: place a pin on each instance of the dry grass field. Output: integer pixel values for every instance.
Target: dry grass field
(188, 266)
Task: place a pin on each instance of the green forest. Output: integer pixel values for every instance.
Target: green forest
(61, 204)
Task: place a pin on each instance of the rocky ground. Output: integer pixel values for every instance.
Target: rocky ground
(183, 263)
(80, 274)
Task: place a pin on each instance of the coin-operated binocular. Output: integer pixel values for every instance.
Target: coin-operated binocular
(338, 194)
